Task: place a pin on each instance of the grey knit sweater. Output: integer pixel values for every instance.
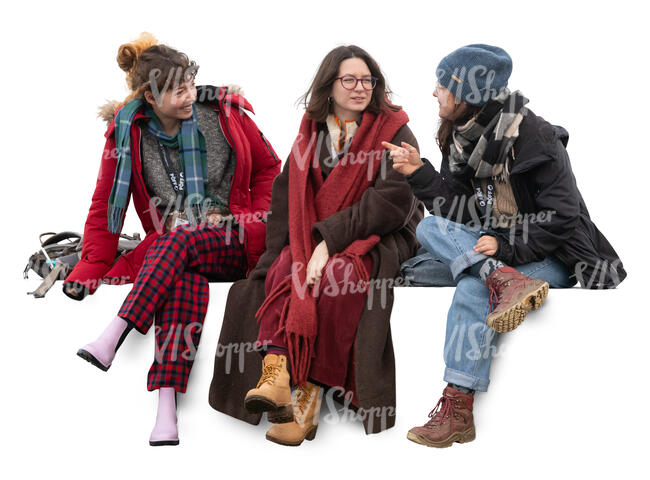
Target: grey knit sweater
(221, 161)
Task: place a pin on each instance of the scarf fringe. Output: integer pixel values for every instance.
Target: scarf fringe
(283, 316)
(359, 268)
(301, 351)
(115, 216)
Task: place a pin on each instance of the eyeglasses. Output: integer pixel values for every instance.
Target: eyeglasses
(350, 82)
(439, 89)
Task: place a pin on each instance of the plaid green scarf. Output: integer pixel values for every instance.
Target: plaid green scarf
(192, 154)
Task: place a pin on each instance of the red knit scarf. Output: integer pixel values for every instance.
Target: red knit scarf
(312, 199)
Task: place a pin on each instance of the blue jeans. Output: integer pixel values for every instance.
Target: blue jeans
(469, 342)
(425, 270)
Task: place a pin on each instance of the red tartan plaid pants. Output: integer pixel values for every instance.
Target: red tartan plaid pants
(172, 291)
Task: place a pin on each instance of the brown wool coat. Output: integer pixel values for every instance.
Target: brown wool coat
(387, 209)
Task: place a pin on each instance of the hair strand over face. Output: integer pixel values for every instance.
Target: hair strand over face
(146, 62)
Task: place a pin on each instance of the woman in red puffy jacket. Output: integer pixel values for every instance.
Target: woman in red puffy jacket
(200, 173)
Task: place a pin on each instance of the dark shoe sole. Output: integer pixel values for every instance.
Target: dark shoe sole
(458, 437)
(515, 314)
(276, 413)
(283, 414)
(160, 443)
(90, 358)
(310, 435)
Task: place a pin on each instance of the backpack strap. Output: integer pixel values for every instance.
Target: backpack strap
(49, 280)
(58, 237)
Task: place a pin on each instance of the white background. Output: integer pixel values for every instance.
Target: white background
(569, 387)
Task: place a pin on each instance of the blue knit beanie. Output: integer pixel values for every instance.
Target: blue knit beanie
(475, 73)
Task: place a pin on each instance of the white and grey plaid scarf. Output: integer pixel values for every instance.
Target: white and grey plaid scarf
(482, 144)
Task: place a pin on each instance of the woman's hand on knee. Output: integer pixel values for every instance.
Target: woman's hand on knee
(487, 245)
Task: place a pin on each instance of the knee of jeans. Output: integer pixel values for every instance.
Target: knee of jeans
(429, 228)
(472, 286)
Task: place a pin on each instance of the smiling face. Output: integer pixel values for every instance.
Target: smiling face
(446, 102)
(174, 103)
(350, 104)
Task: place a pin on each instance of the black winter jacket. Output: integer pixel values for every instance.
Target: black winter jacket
(555, 218)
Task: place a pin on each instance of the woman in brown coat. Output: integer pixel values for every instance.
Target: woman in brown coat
(318, 303)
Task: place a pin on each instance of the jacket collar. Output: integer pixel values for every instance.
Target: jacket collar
(215, 96)
(537, 143)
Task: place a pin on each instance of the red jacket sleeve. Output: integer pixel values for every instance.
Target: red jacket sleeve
(265, 167)
(99, 244)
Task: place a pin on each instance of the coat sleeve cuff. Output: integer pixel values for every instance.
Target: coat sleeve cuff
(321, 232)
(504, 249)
(425, 175)
(88, 275)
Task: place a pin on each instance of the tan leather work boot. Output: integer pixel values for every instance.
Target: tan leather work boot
(273, 391)
(451, 420)
(306, 408)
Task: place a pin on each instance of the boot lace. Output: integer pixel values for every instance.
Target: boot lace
(495, 286)
(494, 297)
(269, 374)
(440, 412)
(303, 396)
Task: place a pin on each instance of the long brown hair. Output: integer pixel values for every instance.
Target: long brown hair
(316, 99)
(461, 115)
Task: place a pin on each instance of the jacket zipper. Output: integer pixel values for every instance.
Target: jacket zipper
(268, 147)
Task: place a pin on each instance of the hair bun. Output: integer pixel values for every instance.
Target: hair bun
(128, 54)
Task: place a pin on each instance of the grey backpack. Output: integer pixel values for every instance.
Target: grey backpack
(60, 252)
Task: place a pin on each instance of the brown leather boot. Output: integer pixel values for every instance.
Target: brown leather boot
(306, 408)
(512, 296)
(273, 391)
(451, 421)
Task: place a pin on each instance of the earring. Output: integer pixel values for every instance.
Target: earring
(329, 100)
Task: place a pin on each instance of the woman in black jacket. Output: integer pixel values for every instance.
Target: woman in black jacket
(507, 219)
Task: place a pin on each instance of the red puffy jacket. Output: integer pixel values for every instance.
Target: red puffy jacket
(257, 165)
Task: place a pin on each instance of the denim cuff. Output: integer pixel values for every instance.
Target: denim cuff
(465, 380)
(464, 261)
